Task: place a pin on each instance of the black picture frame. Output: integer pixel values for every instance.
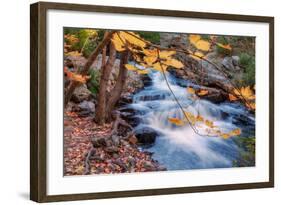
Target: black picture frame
(38, 103)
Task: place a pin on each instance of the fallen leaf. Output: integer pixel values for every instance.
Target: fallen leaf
(203, 92)
(190, 90)
(176, 121)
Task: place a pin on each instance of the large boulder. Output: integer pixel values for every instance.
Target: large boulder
(81, 94)
(86, 108)
(231, 63)
(146, 135)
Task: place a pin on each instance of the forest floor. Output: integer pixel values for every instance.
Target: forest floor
(106, 157)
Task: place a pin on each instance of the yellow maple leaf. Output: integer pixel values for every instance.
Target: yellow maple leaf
(119, 39)
(248, 93)
(137, 57)
(245, 93)
(191, 118)
(202, 45)
(150, 59)
(176, 121)
(209, 123)
(225, 135)
(118, 42)
(143, 71)
(203, 92)
(194, 38)
(132, 38)
(163, 54)
(235, 132)
(159, 67)
(199, 118)
(131, 67)
(199, 43)
(166, 54)
(197, 55)
(190, 90)
(73, 53)
(150, 52)
(173, 62)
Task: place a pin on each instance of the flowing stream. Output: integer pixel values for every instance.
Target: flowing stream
(179, 147)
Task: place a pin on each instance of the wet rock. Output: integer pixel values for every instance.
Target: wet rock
(231, 63)
(86, 108)
(124, 100)
(173, 40)
(127, 111)
(81, 94)
(153, 97)
(132, 120)
(149, 166)
(111, 149)
(146, 80)
(235, 60)
(244, 120)
(215, 97)
(146, 135)
(98, 142)
(132, 139)
(74, 61)
(115, 140)
(161, 168)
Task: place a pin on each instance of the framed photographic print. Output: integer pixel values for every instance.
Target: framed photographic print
(134, 102)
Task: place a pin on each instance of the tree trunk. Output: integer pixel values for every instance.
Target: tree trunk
(105, 73)
(119, 85)
(70, 89)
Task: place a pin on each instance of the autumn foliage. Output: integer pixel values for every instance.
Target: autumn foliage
(148, 56)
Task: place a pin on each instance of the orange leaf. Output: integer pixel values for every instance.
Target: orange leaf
(225, 136)
(232, 97)
(203, 92)
(176, 121)
(209, 123)
(199, 118)
(235, 132)
(227, 46)
(131, 67)
(194, 38)
(76, 77)
(190, 90)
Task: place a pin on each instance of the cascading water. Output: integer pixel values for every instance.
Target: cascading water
(179, 147)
